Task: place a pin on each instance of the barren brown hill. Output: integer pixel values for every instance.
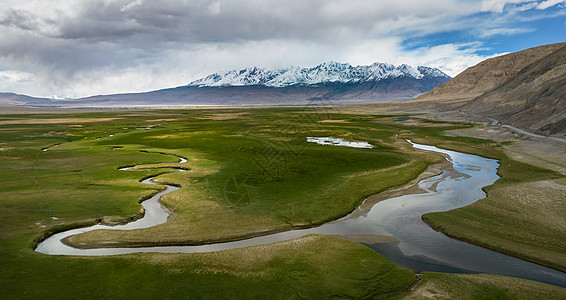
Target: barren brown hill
(488, 74)
(534, 99)
(11, 99)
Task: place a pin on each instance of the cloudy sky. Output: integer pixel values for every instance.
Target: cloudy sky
(70, 48)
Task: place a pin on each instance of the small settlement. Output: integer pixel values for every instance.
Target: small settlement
(337, 142)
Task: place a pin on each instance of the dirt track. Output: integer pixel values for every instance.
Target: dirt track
(548, 152)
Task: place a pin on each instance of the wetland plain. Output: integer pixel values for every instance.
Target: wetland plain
(250, 171)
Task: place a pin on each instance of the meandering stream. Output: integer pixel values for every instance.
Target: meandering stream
(419, 247)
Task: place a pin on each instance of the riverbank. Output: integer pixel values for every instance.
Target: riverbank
(522, 219)
(522, 215)
(408, 188)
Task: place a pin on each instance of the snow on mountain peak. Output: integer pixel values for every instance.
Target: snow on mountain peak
(324, 73)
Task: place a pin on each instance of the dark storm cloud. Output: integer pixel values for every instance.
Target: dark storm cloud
(183, 22)
(18, 19)
(227, 21)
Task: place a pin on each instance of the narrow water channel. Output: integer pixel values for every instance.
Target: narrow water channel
(419, 247)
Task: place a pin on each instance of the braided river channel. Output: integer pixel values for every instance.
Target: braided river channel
(418, 246)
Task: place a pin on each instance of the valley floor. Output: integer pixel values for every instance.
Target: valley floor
(251, 169)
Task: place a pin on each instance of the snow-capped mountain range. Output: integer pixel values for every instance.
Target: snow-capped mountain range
(330, 72)
(330, 83)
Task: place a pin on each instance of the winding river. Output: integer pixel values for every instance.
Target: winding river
(418, 247)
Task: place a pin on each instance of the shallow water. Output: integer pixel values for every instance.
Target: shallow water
(419, 247)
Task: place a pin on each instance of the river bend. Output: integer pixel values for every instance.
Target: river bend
(419, 247)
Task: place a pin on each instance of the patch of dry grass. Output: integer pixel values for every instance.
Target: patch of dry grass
(333, 121)
(225, 116)
(54, 121)
(481, 286)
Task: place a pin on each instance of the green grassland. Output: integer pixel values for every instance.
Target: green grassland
(251, 172)
(254, 173)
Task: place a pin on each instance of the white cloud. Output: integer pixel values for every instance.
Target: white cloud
(549, 3)
(498, 5)
(504, 31)
(12, 76)
(130, 5)
(452, 59)
(214, 8)
(528, 6)
(17, 81)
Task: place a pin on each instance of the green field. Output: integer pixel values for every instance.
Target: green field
(251, 172)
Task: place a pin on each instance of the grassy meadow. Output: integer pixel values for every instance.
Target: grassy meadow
(251, 171)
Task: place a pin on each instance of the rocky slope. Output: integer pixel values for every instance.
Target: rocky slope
(526, 89)
(488, 74)
(533, 99)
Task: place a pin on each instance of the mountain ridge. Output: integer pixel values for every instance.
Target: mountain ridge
(13, 99)
(534, 99)
(339, 83)
(328, 72)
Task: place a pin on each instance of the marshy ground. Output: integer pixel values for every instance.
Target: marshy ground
(251, 172)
